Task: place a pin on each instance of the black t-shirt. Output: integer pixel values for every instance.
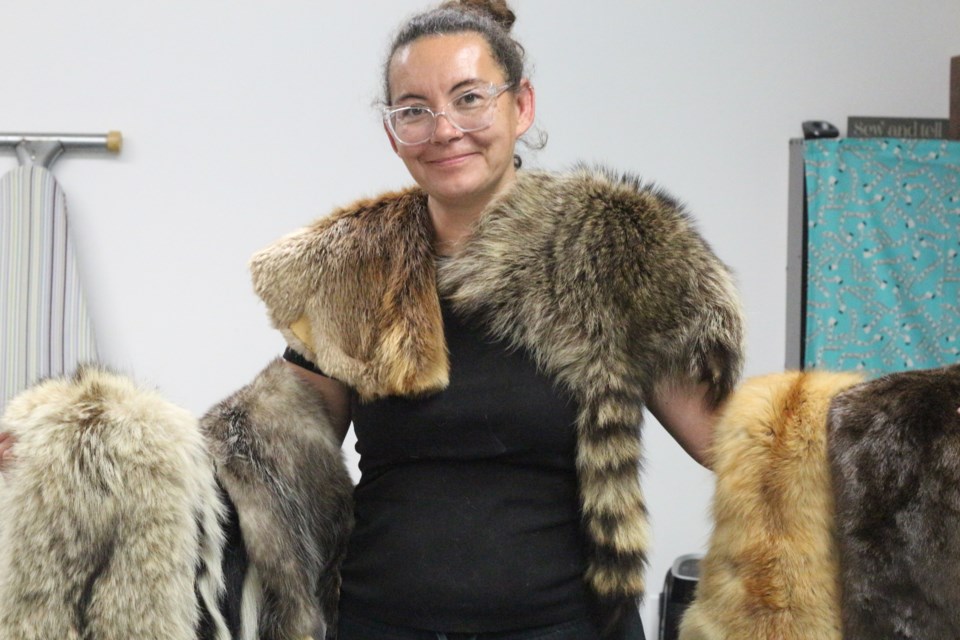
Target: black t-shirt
(467, 513)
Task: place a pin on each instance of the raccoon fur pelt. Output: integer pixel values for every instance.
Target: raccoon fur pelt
(604, 280)
(770, 572)
(895, 455)
(279, 463)
(109, 516)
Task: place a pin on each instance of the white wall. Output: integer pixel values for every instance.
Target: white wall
(245, 120)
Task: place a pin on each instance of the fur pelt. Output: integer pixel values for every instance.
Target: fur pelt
(277, 459)
(770, 572)
(603, 279)
(895, 455)
(109, 516)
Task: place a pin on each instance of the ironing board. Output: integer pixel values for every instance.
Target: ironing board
(45, 325)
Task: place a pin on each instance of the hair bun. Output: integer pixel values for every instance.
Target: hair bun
(496, 10)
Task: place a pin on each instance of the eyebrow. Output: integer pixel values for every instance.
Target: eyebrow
(457, 87)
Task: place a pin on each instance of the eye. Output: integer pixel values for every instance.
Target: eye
(470, 99)
(410, 114)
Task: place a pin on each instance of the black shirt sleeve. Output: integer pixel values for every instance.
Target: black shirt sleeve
(295, 357)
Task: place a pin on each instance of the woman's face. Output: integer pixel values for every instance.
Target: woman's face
(456, 169)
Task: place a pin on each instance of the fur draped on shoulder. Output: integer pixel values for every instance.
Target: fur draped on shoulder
(895, 455)
(771, 571)
(356, 291)
(607, 283)
(603, 279)
(109, 516)
(278, 461)
(595, 270)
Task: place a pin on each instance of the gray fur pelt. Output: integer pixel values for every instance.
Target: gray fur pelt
(605, 280)
(109, 516)
(895, 456)
(278, 460)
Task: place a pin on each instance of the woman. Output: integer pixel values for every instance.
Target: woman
(494, 337)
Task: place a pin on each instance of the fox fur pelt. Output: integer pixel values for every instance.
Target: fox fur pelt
(604, 280)
(277, 458)
(109, 516)
(770, 572)
(895, 455)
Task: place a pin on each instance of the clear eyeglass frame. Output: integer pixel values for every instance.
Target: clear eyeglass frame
(489, 93)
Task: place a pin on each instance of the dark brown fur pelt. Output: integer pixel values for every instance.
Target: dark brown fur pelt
(281, 466)
(605, 280)
(895, 454)
(109, 516)
(771, 572)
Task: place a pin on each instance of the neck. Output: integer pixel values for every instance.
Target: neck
(453, 222)
(451, 227)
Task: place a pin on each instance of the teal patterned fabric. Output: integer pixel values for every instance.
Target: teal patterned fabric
(883, 276)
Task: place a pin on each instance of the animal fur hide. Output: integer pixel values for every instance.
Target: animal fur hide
(895, 454)
(771, 572)
(278, 461)
(109, 516)
(603, 279)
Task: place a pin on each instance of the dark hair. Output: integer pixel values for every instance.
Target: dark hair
(492, 19)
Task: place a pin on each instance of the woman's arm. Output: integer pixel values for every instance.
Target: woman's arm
(686, 413)
(335, 395)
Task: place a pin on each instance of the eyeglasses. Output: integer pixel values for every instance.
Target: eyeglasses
(470, 111)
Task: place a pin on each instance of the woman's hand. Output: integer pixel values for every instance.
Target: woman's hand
(6, 449)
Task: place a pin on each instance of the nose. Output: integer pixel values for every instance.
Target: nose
(443, 130)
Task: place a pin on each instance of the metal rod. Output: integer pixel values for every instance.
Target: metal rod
(796, 248)
(42, 149)
(955, 98)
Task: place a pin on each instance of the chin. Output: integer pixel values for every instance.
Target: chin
(460, 186)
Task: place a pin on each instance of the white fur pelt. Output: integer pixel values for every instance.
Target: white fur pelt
(279, 462)
(109, 516)
(771, 571)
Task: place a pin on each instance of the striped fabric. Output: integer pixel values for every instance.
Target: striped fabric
(44, 326)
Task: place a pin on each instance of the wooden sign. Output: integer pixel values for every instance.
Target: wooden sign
(869, 127)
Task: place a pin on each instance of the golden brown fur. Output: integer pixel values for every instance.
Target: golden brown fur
(603, 279)
(771, 571)
(386, 342)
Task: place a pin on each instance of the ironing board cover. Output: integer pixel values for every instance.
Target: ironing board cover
(45, 329)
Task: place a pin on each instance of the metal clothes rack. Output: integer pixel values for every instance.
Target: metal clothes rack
(42, 149)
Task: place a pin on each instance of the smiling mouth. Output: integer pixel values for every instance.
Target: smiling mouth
(452, 160)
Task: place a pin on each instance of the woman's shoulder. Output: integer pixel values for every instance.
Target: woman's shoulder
(598, 188)
(346, 224)
(594, 200)
(389, 205)
(287, 269)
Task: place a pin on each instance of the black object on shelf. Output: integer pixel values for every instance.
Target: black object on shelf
(815, 129)
(679, 587)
